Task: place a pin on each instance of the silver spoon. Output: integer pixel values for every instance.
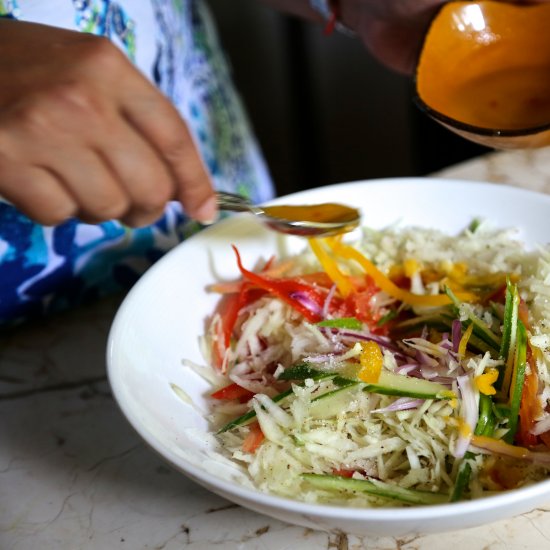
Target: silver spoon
(312, 220)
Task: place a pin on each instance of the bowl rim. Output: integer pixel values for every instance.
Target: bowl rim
(472, 128)
(250, 496)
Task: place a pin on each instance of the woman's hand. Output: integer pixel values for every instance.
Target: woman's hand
(83, 133)
(393, 30)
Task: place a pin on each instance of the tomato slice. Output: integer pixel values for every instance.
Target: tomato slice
(254, 438)
(359, 305)
(233, 391)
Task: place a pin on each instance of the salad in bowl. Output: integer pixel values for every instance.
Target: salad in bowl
(405, 367)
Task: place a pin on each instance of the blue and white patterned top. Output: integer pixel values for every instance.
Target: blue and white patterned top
(173, 42)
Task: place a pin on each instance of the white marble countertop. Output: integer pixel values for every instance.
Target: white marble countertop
(74, 475)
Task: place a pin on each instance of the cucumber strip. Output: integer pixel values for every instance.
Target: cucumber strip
(509, 336)
(498, 311)
(489, 428)
(462, 481)
(486, 421)
(440, 321)
(376, 488)
(341, 383)
(400, 385)
(301, 371)
(344, 382)
(332, 402)
(510, 304)
(481, 330)
(479, 345)
(518, 378)
(351, 323)
(501, 410)
(485, 334)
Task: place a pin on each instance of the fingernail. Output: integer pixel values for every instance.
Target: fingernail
(207, 212)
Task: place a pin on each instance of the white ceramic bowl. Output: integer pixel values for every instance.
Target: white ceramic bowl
(162, 318)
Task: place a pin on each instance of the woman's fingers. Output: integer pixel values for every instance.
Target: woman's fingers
(36, 192)
(78, 114)
(154, 117)
(56, 132)
(139, 170)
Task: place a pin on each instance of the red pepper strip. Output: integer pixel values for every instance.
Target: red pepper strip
(320, 278)
(343, 472)
(218, 349)
(235, 302)
(268, 264)
(523, 313)
(233, 391)
(254, 438)
(229, 310)
(285, 289)
(530, 407)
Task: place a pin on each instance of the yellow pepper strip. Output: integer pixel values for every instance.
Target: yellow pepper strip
(500, 447)
(456, 271)
(459, 273)
(411, 267)
(464, 340)
(484, 382)
(388, 286)
(371, 360)
(342, 282)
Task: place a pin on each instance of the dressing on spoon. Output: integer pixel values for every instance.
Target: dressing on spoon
(305, 220)
(329, 212)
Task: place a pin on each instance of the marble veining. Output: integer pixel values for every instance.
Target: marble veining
(74, 475)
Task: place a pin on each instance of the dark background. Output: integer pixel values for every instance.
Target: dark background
(323, 109)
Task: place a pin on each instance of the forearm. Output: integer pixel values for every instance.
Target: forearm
(391, 29)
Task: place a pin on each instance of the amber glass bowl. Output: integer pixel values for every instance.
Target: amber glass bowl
(484, 72)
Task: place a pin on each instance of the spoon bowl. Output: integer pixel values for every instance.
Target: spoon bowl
(310, 220)
(484, 72)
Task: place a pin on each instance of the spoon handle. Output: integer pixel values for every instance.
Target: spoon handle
(233, 202)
